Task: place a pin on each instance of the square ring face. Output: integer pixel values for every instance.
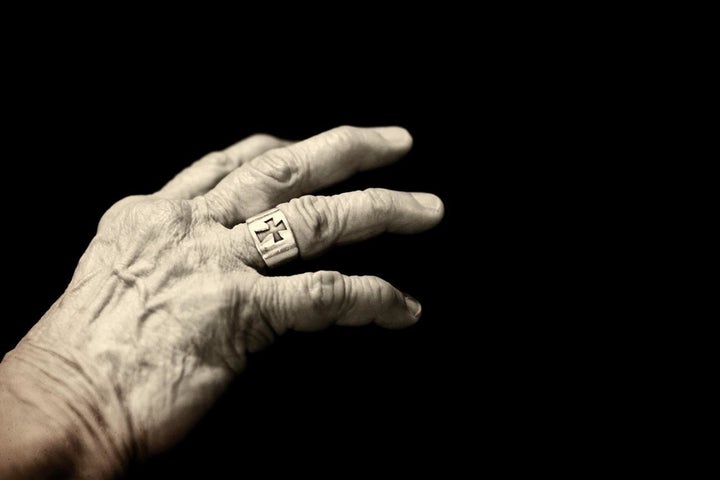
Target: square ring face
(273, 237)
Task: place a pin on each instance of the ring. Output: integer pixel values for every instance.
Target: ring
(273, 237)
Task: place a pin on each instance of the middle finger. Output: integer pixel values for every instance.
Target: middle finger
(284, 173)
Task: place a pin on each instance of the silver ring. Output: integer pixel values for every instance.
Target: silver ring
(273, 237)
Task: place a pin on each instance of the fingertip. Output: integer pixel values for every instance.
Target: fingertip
(440, 210)
(404, 314)
(413, 212)
(414, 309)
(428, 201)
(396, 136)
(432, 205)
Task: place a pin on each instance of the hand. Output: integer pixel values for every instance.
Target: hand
(168, 299)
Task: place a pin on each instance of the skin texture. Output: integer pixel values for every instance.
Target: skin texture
(171, 295)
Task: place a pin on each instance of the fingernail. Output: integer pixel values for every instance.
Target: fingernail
(428, 200)
(397, 136)
(413, 306)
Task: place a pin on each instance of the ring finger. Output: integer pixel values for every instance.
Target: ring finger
(319, 222)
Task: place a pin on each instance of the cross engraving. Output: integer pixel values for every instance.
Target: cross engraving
(273, 229)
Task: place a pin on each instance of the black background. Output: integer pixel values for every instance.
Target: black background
(485, 378)
(348, 399)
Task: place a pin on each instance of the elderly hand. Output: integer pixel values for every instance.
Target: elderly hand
(169, 298)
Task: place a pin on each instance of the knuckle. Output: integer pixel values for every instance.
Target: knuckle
(343, 135)
(279, 166)
(219, 159)
(155, 210)
(327, 291)
(375, 290)
(265, 319)
(118, 208)
(262, 139)
(380, 200)
(153, 215)
(317, 215)
(378, 293)
(385, 294)
(240, 248)
(374, 295)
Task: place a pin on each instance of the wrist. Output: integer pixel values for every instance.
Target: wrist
(58, 416)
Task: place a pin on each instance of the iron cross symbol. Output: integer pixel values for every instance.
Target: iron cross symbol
(273, 229)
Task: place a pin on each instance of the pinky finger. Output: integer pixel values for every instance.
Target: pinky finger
(313, 301)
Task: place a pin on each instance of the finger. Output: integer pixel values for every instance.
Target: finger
(320, 161)
(319, 223)
(312, 301)
(205, 173)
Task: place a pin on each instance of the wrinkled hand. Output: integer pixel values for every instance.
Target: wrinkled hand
(168, 299)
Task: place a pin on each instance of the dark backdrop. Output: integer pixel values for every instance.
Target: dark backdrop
(350, 397)
(487, 377)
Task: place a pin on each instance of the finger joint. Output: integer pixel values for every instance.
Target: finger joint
(328, 292)
(278, 168)
(318, 216)
(219, 159)
(381, 201)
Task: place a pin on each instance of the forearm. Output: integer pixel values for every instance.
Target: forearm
(56, 421)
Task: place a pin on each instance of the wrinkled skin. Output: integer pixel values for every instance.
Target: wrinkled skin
(169, 299)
